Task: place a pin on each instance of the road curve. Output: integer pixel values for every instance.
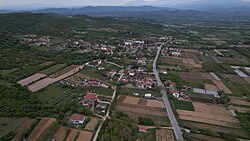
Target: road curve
(177, 131)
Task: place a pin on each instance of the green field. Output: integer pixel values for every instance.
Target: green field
(149, 136)
(238, 89)
(25, 72)
(96, 74)
(5, 83)
(6, 72)
(53, 69)
(184, 105)
(9, 124)
(51, 92)
(101, 90)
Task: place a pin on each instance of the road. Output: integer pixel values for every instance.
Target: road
(177, 131)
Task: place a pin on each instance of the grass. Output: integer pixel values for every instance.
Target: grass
(101, 90)
(184, 105)
(149, 136)
(238, 89)
(95, 73)
(6, 72)
(245, 122)
(51, 92)
(111, 66)
(5, 83)
(130, 91)
(25, 72)
(53, 69)
(205, 96)
(10, 124)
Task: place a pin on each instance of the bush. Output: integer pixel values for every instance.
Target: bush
(145, 121)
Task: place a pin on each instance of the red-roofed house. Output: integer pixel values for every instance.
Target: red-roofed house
(91, 96)
(143, 129)
(76, 119)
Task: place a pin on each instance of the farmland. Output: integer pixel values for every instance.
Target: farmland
(10, 124)
(164, 135)
(136, 107)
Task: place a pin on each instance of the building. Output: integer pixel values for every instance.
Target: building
(91, 97)
(77, 119)
(143, 129)
(148, 96)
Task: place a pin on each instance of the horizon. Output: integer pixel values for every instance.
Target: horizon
(38, 4)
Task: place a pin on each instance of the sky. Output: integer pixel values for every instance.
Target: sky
(66, 3)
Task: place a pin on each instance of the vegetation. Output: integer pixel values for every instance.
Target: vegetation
(145, 121)
(183, 105)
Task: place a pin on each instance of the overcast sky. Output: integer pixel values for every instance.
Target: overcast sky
(67, 3)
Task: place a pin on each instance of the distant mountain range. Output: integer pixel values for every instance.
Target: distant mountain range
(201, 5)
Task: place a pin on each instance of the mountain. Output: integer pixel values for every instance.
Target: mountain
(96, 9)
(201, 5)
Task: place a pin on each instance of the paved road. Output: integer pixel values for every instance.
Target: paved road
(177, 131)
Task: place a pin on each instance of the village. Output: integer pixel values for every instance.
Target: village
(141, 85)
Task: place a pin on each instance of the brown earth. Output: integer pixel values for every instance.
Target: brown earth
(91, 124)
(155, 103)
(209, 118)
(72, 135)
(236, 79)
(240, 102)
(211, 87)
(31, 79)
(60, 133)
(47, 81)
(84, 136)
(40, 128)
(19, 131)
(142, 102)
(221, 86)
(131, 100)
(44, 64)
(164, 135)
(200, 137)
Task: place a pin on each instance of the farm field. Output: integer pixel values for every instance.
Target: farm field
(26, 125)
(101, 90)
(130, 91)
(72, 135)
(59, 76)
(164, 135)
(200, 137)
(140, 108)
(40, 128)
(91, 124)
(45, 64)
(53, 69)
(216, 115)
(183, 105)
(60, 133)
(31, 79)
(239, 101)
(10, 124)
(95, 73)
(51, 92)
(84, 136)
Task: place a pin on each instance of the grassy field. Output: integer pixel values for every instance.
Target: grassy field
(53, 69)
(130, 91)
(245, 122)
(51, 92)
(183, 105)
(9, 124)
(5, 83)
(25, 72)
(101, 91)
(111, 66)
(238, 89)
(6, 72)
(149, 136)
(95, 73)
(205, 96)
